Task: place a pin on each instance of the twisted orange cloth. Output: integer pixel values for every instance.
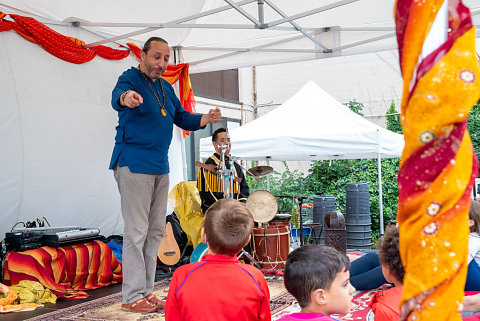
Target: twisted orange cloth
(438, 164)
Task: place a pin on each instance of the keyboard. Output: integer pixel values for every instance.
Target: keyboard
(49, 230)
(66, 235)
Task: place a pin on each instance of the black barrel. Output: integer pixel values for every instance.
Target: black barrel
(358, 220)
(321, 206)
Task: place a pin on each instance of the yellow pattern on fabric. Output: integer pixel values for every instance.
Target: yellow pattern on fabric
(435, 262)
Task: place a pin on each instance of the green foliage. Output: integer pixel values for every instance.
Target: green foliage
(474, 127)
(355, 106)
(329, 178)
(393, 119)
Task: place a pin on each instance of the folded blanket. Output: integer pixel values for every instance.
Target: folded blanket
(67, 270)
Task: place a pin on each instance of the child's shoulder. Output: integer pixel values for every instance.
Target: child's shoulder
(251, 269)
(187, 268)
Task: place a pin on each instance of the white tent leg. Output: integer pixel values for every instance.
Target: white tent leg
(268, 177)
(380, 193)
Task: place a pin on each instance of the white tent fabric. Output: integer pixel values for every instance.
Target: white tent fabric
(57, 132)
(311, 125)
(231, 37)
(222, 34)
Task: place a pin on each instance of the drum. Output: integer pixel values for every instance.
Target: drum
(200, 250)
(270, 246)
(263, 206)
(281, 219)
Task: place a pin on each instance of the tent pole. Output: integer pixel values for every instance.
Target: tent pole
(176, 57)
(380, 193)
(268, 177)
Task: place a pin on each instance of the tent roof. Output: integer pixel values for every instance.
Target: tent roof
(311, 125)
(216, 34)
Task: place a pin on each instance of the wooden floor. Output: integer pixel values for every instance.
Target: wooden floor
(62, 304)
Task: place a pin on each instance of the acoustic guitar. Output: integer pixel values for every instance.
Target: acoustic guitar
(169, 252)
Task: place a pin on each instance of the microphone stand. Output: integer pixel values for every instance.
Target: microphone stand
(227, 175)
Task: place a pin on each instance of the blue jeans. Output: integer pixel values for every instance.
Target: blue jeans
(473, 277)
(366, 272)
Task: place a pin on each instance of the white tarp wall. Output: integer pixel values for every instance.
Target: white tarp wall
(57, 131)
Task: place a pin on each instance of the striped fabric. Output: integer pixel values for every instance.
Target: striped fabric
(67, 271)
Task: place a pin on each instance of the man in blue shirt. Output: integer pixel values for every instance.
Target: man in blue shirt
(147, 109)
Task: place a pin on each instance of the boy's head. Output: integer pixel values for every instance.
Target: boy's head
(389, 254)
(474, 216)
(228, 225)
(319, 278)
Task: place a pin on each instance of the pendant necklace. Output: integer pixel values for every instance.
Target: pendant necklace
(162, 107)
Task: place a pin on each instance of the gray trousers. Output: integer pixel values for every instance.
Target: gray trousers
(144, 206)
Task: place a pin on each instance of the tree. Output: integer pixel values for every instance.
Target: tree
(355, 106)
(393, 119)
(474, 127)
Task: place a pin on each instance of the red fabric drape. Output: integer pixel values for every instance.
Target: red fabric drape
(72, 50)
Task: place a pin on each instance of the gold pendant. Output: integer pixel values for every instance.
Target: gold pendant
(164, 113)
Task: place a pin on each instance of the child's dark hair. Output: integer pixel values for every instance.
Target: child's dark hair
(389, 252)
(312, 267)
(474, 214)
(228, 225)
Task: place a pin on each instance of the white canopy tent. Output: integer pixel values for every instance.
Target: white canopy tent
(312, 125)
(56, 123)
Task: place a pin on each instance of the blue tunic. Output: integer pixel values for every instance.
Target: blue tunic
(143, 133)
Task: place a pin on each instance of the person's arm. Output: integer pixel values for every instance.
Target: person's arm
(265, 313)
(172, 310)
(384, 314)
(473, 247)
(188, 121)
(244, 189)
(124, 94)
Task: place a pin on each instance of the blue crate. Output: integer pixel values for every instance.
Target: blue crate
(295, 232)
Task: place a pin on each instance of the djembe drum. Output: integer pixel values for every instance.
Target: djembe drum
(270, 244)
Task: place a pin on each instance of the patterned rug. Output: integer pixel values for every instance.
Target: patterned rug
(108, 307)
(281, 303)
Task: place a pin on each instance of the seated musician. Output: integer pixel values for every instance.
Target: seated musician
(210, 185)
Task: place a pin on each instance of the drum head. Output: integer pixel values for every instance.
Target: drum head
(263, 206)
(200, 250)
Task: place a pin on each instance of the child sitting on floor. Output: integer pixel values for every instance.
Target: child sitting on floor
(473, 274)
(385, 304)
(219, 287)
(318, 277)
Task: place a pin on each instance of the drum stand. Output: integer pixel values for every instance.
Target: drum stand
(298, 200)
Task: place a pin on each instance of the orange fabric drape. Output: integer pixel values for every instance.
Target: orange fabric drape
(72, 50)
(438, 164)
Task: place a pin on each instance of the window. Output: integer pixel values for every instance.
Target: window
(221, 85)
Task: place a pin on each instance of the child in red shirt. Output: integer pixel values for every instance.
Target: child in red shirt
(318, 277)
(219, 287)
(385, 304)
